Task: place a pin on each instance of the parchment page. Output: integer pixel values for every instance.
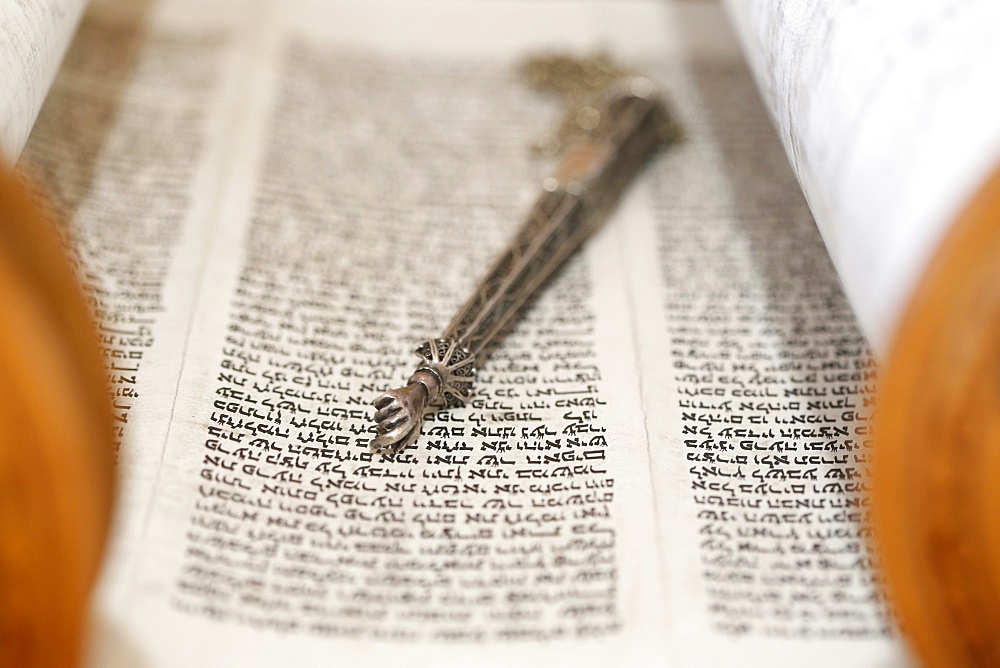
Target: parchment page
(757, 389)
(272, 207)
(365, 189)
(127, 150)
(890, 116)
(33, 38)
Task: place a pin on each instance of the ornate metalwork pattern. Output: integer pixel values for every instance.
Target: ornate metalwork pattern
(454, 366)
(623, 127)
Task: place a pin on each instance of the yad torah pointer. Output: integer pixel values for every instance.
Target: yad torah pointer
(624, 126)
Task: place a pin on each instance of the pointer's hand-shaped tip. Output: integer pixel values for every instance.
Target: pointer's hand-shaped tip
(399, 414)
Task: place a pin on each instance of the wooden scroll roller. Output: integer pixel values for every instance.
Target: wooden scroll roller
(56, 442)
(936, 498)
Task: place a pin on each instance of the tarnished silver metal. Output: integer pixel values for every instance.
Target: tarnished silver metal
(623, 127)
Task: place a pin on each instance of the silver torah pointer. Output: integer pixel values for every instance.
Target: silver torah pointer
(625, 128)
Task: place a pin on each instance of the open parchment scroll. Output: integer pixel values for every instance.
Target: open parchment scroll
(668, 457)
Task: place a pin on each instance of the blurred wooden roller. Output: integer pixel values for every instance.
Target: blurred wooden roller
(56, 444)
(936, 498)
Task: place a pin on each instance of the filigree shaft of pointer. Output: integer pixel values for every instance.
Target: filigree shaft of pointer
(628, 125)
